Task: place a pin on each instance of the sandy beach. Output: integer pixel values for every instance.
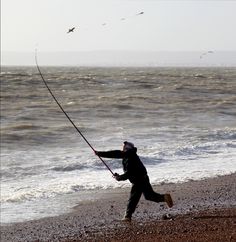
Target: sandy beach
(203, 211)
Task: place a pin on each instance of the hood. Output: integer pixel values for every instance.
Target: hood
(131, 152)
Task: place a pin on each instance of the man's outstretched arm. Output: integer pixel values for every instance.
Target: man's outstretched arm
(118, 154)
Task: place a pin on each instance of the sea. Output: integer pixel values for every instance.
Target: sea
(182, 121)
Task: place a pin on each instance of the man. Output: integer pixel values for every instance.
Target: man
(135, 171)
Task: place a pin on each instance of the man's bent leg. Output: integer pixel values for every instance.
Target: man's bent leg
(150, 195)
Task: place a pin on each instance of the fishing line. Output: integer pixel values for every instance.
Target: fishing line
(67, 114)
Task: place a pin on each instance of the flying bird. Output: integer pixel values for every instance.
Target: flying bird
(205, 53)
(140, 13)
(71, 30)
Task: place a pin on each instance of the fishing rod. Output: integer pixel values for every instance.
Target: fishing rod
(67, 114)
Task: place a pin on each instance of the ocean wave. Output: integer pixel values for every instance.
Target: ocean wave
(44, 188)
(197, 150)
(228, 113)
(91, 164)
(97, 165)
(29, 139)
(91, 187)
(221, 135)
(19, 170)
(67, 168)
(10, 74)
(24, 194)
(8, 138)
(201, 76)
(40, 131)
(28, 194)
(203, 149)
(153, 160)
(123, 106)
(20, 127)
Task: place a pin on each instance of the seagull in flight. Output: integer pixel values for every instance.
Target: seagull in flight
(206, 53)
(71, 30)
(140, 13)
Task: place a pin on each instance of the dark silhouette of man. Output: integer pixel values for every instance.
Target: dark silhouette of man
(135, 171)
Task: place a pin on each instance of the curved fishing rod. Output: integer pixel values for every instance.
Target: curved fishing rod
(67, 114)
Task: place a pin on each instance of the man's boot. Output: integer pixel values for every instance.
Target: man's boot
(168, 200)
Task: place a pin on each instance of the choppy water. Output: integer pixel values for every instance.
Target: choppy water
(183, 122)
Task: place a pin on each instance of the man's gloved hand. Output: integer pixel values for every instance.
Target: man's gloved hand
(117, 177)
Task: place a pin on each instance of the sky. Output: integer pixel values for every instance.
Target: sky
(164, 26)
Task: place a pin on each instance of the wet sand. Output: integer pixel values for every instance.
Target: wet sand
(203, 211)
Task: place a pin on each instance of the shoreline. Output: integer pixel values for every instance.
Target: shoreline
(209, 204)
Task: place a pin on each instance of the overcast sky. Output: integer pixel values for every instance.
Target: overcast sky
(164, 26)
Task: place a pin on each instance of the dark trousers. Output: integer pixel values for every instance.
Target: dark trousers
(142, 187)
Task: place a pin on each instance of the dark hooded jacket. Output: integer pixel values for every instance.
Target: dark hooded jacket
(134, 170)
